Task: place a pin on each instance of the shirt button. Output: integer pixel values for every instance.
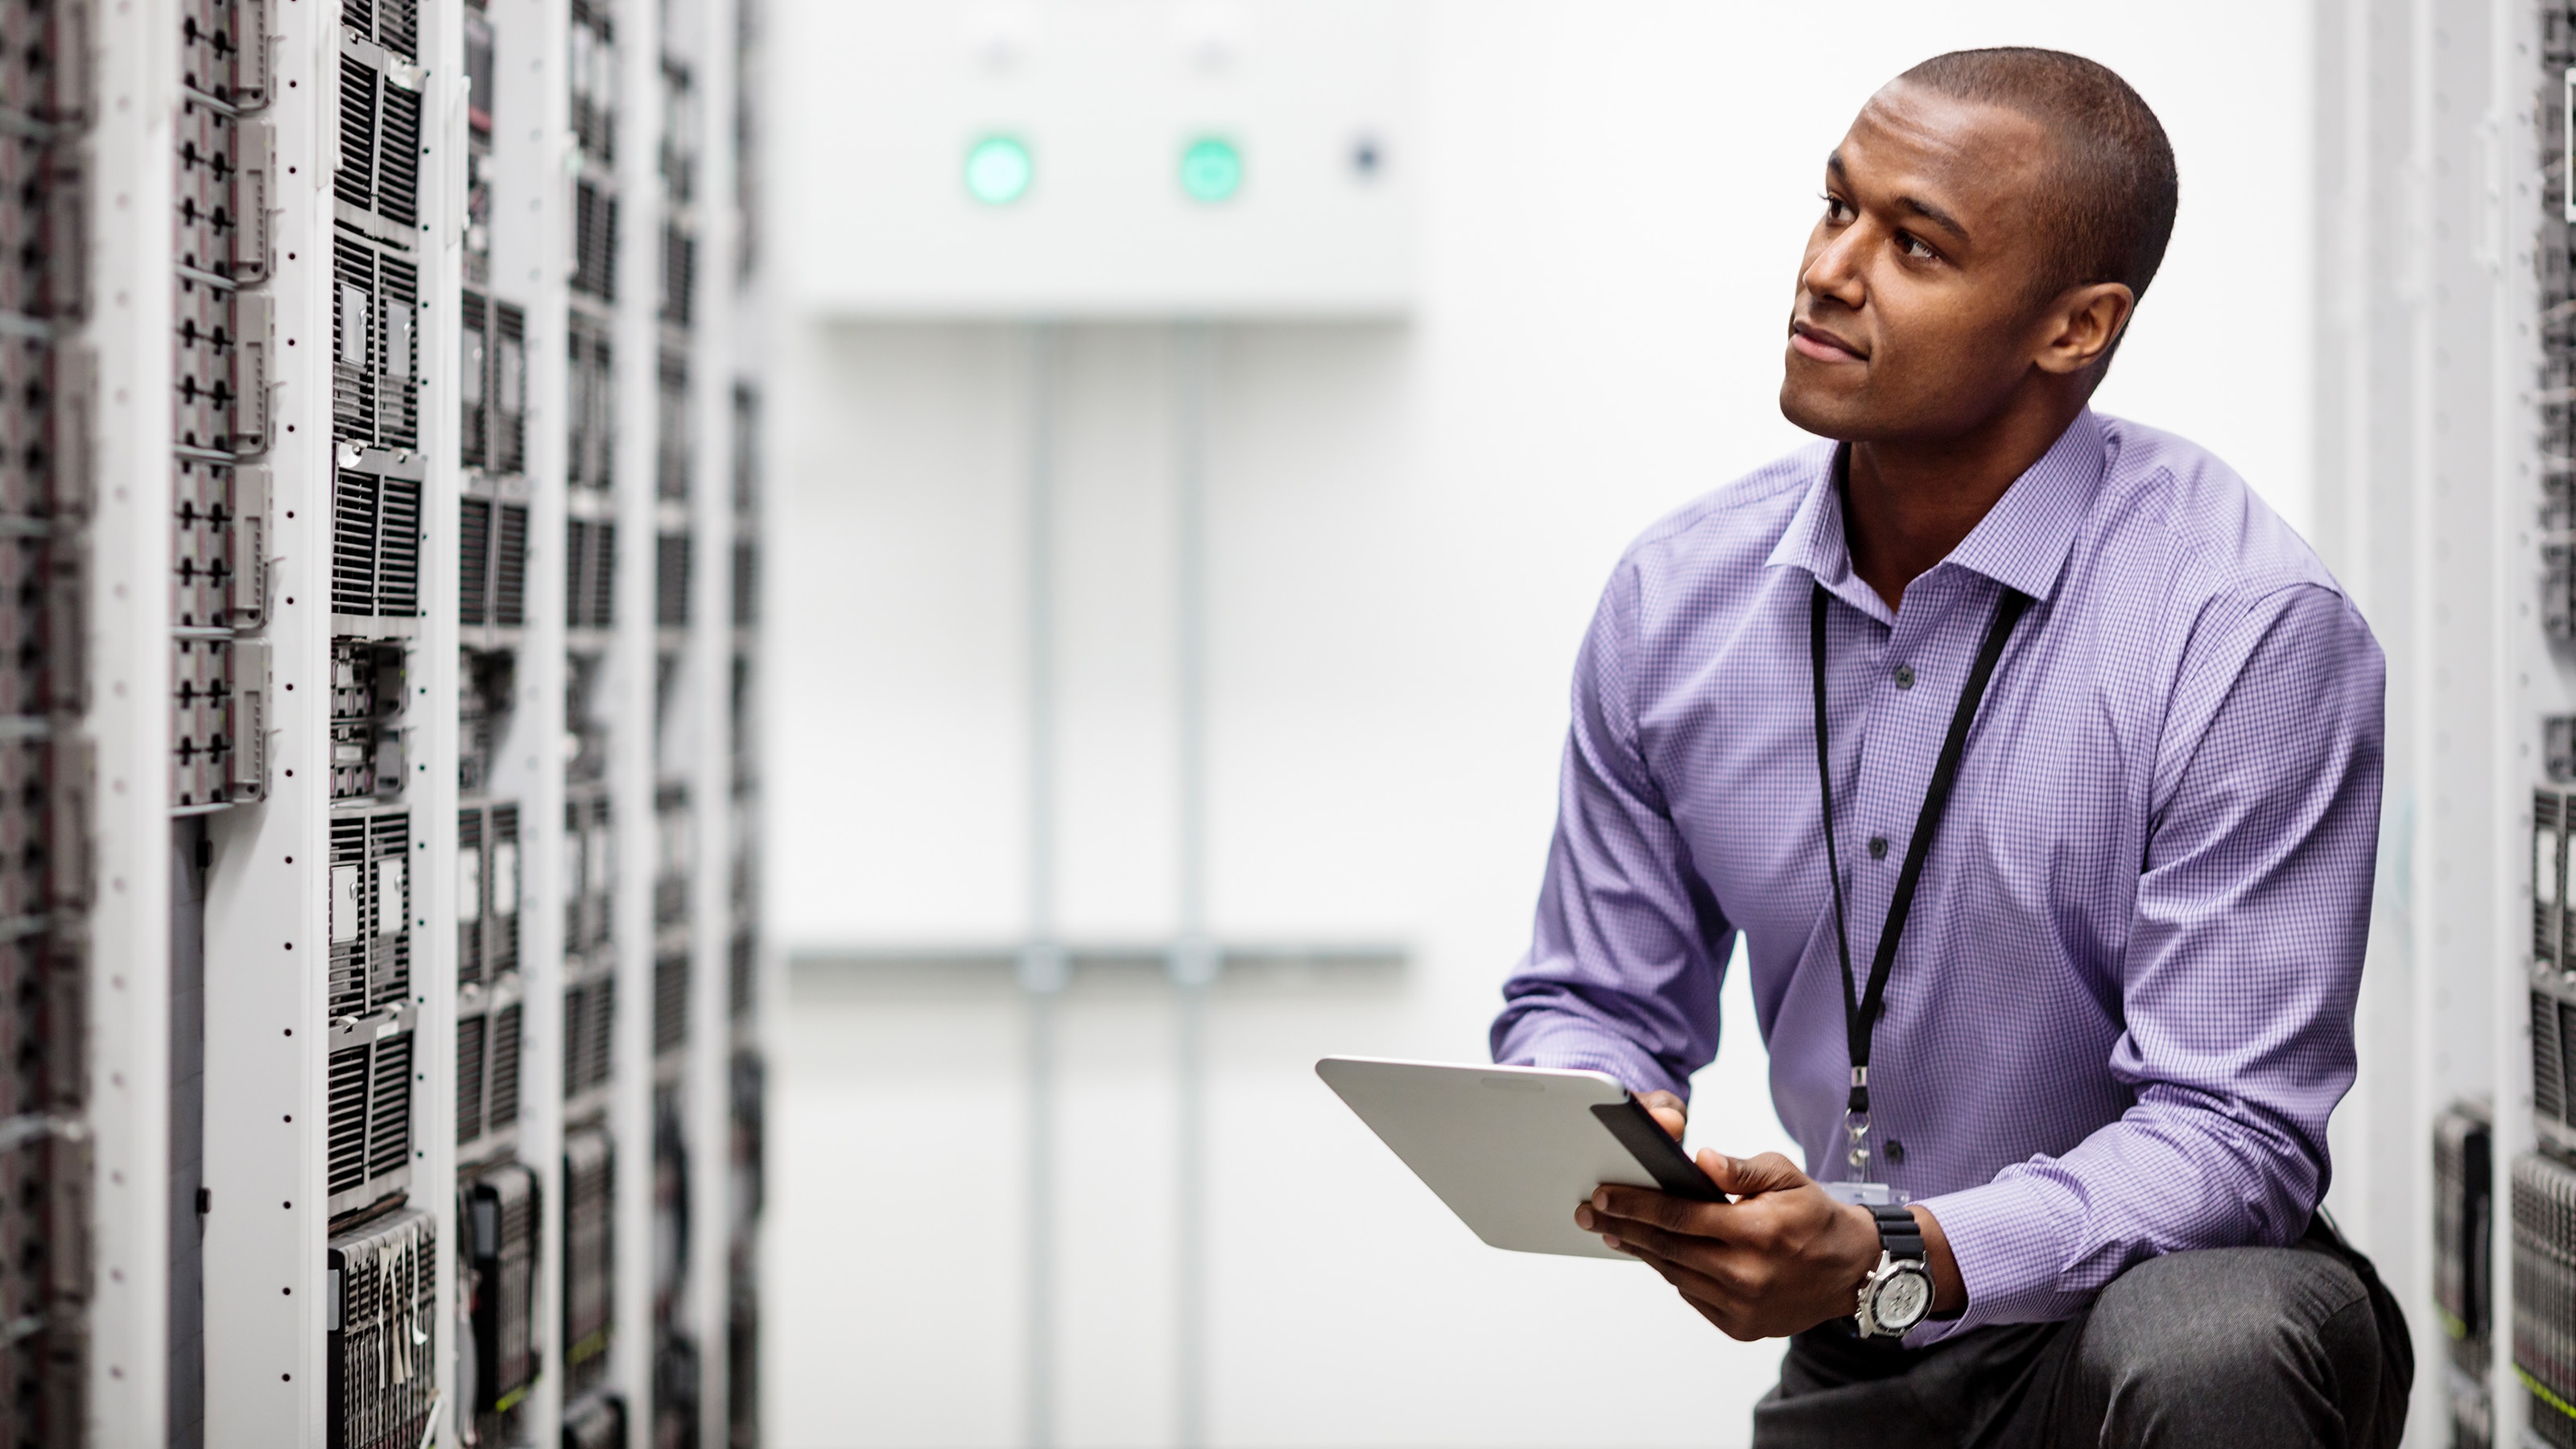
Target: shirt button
(1905, 676)
(1878, 847)
(1895, 1153)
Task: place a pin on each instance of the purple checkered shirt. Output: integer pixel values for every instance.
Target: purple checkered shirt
(2123, 1006)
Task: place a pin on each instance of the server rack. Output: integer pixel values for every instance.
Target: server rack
(311, 364)
(48, 1220)
(2463, 1274)
(2446, 429)
(382, 1301)
(501, 1213)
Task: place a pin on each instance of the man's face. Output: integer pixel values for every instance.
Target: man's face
(1914, 317)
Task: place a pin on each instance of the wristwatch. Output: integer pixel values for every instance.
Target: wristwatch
(1898, 1292)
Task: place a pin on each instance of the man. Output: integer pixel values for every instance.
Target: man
(2092, 742)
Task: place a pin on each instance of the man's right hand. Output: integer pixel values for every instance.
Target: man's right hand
(1670, 1112)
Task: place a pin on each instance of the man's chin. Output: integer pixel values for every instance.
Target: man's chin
(1827, 417)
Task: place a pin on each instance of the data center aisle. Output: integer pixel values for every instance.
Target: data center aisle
(325, 1127)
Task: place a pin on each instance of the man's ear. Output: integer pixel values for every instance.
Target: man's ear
(2085, 323)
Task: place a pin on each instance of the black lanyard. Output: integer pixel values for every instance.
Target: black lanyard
(1861, 1018)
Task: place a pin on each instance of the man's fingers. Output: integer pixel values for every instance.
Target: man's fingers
(1700, 1273)
(1670, 1112)
(1745, 1176)
(1645, 1205)
(1713, 1266)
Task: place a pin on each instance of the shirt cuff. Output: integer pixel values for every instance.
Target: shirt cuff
(2010, 1249)
(1576, 1050)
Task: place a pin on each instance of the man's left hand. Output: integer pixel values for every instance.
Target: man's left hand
(1780, 1260)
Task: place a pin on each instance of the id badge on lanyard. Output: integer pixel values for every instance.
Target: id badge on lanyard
(1860, 1018)
(1855, 1185)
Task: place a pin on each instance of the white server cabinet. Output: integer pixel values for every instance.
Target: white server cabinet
(332, 744)
(2442, 465)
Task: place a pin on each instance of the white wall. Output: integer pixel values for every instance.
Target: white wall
(1409, 526)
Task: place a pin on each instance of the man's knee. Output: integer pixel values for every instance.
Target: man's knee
(2229, 1338)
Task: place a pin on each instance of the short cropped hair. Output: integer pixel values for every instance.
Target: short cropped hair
(2113, 191)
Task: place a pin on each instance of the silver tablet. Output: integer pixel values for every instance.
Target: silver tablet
(1513, 1150)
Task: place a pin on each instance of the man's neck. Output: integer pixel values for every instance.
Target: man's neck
(1907, 505)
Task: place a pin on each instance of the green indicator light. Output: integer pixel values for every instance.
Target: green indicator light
(998, 170)
(1211, 170)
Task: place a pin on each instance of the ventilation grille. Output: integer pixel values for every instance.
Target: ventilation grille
(746, 452)
(744, 973)
(679, 274)
(389, 1108)
(474, 561)
(492, 563)
(474, 383)
(470, 1064)
(493, 386)
(375, 345)
(2548, 1070)
(590, 1027)
(487, 892)
(509, 389)
(670, 1001)
(593, 71)
(361, 95)
(671, 580)
(393, 24)
(379, 146)
(370, 913)
(750, 1113)
(345, 1152)
(675, 846)
(369, 1130)
(506, 1027)
(590, 563)
(594, 232)
(2548, 874)
(398, 158)
(510, 568)
(375, 545)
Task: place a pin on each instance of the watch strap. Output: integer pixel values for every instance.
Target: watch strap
(1898, 1232)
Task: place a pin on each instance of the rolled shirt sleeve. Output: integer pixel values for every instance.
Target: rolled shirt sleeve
(1629, 949)
(2238, 982)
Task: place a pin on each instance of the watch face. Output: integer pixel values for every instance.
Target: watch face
(1901, 1300)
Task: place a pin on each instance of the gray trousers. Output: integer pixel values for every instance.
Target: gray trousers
(2215, 1349)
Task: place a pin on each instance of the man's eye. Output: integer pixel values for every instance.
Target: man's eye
(1913, 247)
(1836, 209)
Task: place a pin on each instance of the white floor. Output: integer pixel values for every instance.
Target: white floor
(1349, 1307)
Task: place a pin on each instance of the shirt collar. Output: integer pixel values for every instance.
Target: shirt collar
(2021, 543)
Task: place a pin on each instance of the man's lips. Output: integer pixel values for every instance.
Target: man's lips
(1821, 345)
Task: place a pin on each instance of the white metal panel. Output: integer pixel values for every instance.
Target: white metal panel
(1105, 96)
(127, 638)
(267, 942)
